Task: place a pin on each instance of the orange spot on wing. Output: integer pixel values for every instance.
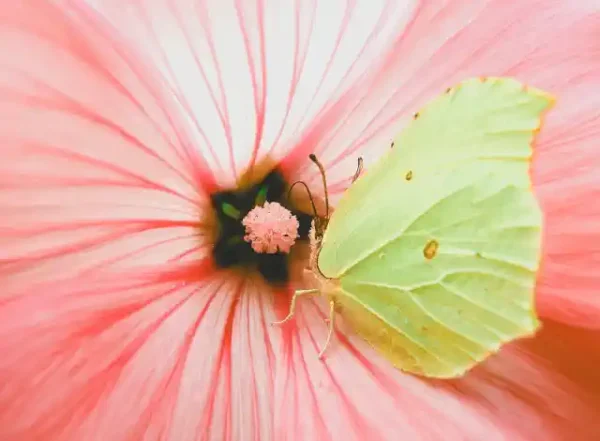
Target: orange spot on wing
(431, 249)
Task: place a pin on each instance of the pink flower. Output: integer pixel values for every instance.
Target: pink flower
(120, 319)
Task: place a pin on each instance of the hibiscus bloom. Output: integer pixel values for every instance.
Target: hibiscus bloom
(123, 122)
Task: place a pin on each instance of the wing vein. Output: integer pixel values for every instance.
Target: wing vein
(457, 293)
(443, 324)
(400, 331)
(440, 279)
(400, 234)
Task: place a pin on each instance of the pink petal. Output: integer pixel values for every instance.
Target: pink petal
(113, 326)
(567, 174)
(253, 75)
(94, 171)
(102, 259)
(448, 41)
(539, 390)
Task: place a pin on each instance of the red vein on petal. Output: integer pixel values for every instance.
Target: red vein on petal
(222, 112)
(383, 18)
(99, 383)
(294, 162)
(144, 249)
(78, 110)
(174, 379)
(254, 398)
(76, 157)
(13, 264)
(259, 90)
(141, 224)
(354, 417)
(299, 64)
(329, 116)
(292, 338)
(101, 240)
(202, 172)
(193, 250)
(265, 328)
(586, 129)
(132, 348)
(138, 278)
(345, 22)
(133, 308)
(259, 101)
(313, 394)
(28, 208)
(182, 97)
(290, 374)
(205, 25)
(388, 386)
(417, 98)
(296, 408)
(223, 363)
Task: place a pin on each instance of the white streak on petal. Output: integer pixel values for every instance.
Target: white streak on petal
(252, 76)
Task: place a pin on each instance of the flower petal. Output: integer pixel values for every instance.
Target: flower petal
(193, 361)
(143, 348)
(447, 41)
(253, 75)
(95, 172)
(87, 354)
(538, 390)
(566, 172)
(102, 257)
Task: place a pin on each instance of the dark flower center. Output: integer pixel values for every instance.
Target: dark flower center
(231, 250)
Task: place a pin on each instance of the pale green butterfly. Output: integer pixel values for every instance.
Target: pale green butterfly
(431, 256)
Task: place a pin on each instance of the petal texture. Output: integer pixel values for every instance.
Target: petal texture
(102, 256)
(538, 390)
(254, 76)
(95, 172)
(113, 325)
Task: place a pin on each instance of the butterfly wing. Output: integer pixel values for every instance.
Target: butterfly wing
(437, 246)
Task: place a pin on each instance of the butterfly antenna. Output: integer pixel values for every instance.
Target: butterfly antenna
(314, 159)
(359, 169)
(310, 197)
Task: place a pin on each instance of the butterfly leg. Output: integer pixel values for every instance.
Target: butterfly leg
(331, 328)
(297, 293)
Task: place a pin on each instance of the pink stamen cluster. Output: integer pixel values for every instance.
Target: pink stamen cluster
(271, 228)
